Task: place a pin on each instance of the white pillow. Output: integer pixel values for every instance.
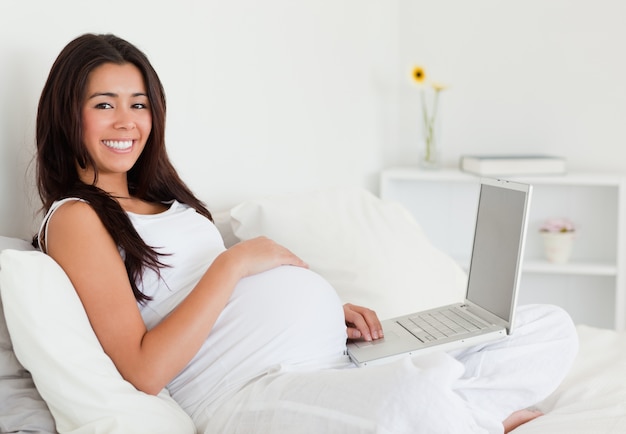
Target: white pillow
(21, 407)
(221, 220)
(372, 251)
(53, 339)
(14, 243)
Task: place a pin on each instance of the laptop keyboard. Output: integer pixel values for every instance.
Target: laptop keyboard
(432, 326)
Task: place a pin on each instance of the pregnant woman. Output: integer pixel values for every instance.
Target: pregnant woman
(246, 339)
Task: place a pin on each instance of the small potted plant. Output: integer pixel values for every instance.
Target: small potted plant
(558, 236)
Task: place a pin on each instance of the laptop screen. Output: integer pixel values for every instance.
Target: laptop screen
(498, 246)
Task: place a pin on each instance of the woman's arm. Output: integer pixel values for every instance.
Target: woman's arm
(79, 242)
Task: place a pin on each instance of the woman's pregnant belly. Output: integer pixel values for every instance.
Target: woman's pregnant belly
(287, 316)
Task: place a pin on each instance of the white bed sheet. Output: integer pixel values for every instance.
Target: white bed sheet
(592, 398)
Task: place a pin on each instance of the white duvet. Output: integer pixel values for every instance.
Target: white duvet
(592, 398)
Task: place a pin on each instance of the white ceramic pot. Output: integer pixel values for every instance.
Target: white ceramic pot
(558, 246)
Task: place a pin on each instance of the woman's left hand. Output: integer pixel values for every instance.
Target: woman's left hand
(362, 323)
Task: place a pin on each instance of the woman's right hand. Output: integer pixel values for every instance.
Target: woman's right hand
(260, 254)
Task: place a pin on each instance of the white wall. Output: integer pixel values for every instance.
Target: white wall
(281, 95)
(263, 97)
(536, 75)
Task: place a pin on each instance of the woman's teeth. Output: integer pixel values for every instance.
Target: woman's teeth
(118, 144)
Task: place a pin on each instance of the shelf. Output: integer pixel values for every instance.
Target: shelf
(572, 268)
(572, 178)
(591, 286)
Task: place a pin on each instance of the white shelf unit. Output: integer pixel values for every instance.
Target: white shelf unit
(590, 286)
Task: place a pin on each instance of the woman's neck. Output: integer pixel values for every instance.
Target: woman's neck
(115, 184)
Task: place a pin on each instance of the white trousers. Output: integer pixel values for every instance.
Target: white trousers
(466, 391)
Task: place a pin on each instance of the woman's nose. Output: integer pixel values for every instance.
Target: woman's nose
(124, 120)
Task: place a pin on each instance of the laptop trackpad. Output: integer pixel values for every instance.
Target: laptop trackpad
(390, 336)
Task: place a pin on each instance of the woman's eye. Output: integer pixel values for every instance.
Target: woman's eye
(140, 106)
(104, 105)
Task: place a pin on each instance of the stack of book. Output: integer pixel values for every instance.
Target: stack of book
(510, 165)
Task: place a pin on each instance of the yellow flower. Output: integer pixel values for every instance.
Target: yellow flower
(438, 87)
(418, 74)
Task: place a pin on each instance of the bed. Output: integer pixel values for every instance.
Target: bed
(54, 376)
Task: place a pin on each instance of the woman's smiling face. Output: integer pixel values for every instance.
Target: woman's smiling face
(116, 119)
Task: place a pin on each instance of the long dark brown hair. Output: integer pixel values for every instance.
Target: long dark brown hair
(60, 147)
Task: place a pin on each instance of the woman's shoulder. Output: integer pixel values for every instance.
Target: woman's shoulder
(75, 214)
(70, 209)
(69, 216)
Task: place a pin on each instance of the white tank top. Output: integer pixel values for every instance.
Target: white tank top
(286, 316)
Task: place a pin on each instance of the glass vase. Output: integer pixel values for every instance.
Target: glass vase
(430, 154)
(430, 134)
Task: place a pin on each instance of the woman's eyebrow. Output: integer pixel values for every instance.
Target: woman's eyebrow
(97, 94)
(115, 95)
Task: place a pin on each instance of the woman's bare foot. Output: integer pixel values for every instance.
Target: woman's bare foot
(518, 418)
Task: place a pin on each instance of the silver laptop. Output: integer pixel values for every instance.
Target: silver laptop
(488, 311)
